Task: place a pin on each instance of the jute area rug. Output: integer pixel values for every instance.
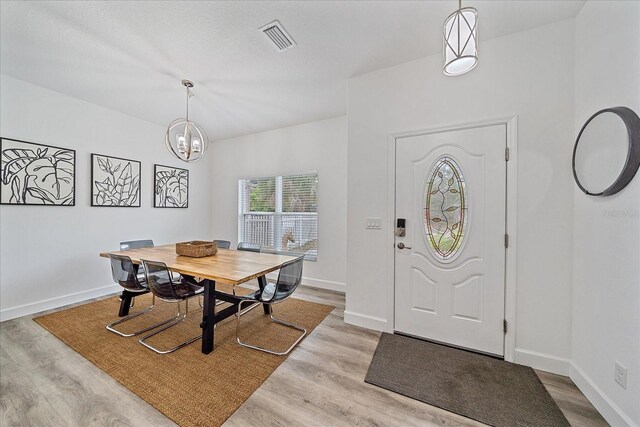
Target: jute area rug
(187, 386)
(488, 390)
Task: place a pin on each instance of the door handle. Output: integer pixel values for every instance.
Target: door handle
(402, 246)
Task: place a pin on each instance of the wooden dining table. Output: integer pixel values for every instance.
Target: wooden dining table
(227, 266)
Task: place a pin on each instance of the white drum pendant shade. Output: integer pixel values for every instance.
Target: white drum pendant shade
(461, 41)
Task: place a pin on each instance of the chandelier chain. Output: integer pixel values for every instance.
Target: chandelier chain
(188, 96)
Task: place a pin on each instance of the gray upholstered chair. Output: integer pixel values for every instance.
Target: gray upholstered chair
(289, 278)
(162, 284)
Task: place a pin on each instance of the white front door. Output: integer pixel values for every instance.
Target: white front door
(450, 265)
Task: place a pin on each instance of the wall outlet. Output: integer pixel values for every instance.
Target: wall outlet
(620, 375)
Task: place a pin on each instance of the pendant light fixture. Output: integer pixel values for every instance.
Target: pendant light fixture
(461, 41)
(185, 139)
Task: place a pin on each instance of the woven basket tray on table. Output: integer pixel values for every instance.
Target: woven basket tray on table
(196, 248)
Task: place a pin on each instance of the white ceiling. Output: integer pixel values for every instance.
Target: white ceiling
(131, 56)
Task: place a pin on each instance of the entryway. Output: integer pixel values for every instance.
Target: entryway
(451, 190)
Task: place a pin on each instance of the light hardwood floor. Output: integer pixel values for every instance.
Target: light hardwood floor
(45, 383)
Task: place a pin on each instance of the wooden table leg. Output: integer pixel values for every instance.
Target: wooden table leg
(262, 282)
(127, 297)
(208, 315)
(125, 303)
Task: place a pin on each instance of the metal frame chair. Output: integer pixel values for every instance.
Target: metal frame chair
(124, 273)
(289, 278)
(163, 285)
(223, 244)
(242, 246)
(139, 244)
(250, 247)
(136, 244)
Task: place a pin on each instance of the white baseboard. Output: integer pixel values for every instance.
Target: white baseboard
(317, 283)
(607, 408)
(51, 303)
(366, 321)
(543, 361)
(325, 284)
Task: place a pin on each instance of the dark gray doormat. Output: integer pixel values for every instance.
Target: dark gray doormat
(488, 390)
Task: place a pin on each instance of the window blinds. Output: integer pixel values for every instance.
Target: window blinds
(280, 213)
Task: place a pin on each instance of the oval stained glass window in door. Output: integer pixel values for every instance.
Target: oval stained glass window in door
(445, 209)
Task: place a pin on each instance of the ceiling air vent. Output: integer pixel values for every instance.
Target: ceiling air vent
(278, 35)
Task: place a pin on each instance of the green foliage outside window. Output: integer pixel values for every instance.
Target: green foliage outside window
(262, 195)
(300, 193)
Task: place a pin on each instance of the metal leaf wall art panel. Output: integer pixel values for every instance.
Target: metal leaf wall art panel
(36, 174)
(114, 181)
(171, 187)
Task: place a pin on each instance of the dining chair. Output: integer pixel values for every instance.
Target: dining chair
(135, 244)
(242, 246)
(251, 247)
(163, 285)
(125, 274)
(289, 278)
(139, 244)
(223, 244)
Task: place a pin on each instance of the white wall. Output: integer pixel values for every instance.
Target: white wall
(318, 146)
(606, 287)
(528, 74)
(49, 255)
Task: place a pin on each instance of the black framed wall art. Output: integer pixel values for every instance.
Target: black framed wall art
(115, 181)
(36, 174)
(170, 187)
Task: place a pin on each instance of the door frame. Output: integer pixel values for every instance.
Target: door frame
(511, 123)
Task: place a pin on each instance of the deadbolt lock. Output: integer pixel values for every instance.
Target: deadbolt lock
(400, 227)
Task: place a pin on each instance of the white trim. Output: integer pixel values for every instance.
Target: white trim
(511, 123)
(56, 302)
(366, 321)
(511, 262)
(316, 283)
(543, 361)
(391, 232)
(603, 403)
(324, 284)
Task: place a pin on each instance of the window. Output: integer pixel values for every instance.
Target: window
(280, 213)
(445, 209)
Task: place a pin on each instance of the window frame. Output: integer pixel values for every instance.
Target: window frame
(278, 213)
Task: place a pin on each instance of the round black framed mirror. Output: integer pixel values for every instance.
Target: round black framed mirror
(606, 155)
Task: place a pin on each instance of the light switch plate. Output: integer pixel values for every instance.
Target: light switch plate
(373, 223)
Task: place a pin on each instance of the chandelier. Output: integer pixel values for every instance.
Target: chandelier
(461, 41)
(185, 139)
